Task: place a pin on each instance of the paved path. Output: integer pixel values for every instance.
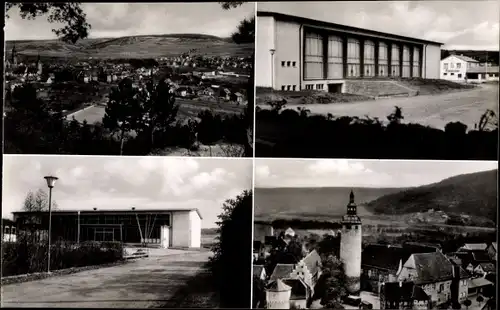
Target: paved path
(140, 284)
(436, 110)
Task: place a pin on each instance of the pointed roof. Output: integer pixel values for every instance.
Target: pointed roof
(475, 246)
(432, 267)
(312, 262)
(278, 286)
(299, 288)
(465, 58)
(282, 271)
(290, 231)
(257, 270)
(487, 267)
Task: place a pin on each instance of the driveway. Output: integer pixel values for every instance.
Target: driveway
(144, 283)
(432, 110)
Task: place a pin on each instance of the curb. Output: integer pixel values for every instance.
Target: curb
(43, 275)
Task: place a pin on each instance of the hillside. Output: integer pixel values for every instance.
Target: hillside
(320, 203)
(144, 46)
(472, 194)
(481, 56)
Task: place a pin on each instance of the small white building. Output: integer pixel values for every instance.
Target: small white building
(455, 67)
(482, 74)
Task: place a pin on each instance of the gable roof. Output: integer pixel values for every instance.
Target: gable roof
(478, 282)
(278, 286)
(494, 245)
(432, 267)
(303, 20)
(257, 270)
(465, 58)
(383, 256)
(487, 267)
(289, 231)
(299, 288)
(281, 271)
(481, 256)
(312, 262)
(475, 246)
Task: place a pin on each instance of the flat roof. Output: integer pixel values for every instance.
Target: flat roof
(108, 211)
(304, 20)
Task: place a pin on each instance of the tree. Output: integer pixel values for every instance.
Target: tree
(259, 293)
(123, 112)
(159, 108)
(230, 265)
(467, 303)
(246, 34)
(331, 286)
(39, 201)
(69, 13)
(479, 299)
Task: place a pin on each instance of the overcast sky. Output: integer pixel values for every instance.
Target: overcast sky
(86, 182)
(125, 19)
(359, 173)
(457, 24)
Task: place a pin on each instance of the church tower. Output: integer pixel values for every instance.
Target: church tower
(39, 66)
(350, 246)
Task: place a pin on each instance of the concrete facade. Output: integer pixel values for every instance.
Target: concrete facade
(186, 229)
(288, 45)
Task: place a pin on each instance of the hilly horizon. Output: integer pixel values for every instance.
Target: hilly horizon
(139, 46)
(473, 194)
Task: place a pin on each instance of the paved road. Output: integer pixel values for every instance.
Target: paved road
(140, 284)
(436, 111)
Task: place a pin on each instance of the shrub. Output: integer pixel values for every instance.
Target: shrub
(24, 256)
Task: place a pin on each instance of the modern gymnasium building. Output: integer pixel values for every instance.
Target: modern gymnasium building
(168, 228)
(296, 53)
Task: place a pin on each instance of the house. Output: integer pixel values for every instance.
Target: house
(309, 270)
(492, 250)
(260, 272)
(403, 295)
(483, 269)
(299, 296)
(435, 274)
(239, 98)
(290, 232)
(8, 231)
(478, 286)
(455, 67)
(482, 74)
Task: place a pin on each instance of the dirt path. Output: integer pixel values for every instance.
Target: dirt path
(432, 110)
(143, 283)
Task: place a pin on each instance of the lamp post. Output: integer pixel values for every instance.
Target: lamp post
(272, 67)
(51, 181)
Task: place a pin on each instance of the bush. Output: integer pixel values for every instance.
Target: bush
(25, 257)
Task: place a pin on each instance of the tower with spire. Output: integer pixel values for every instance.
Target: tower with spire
(39, 66)
(350, 246)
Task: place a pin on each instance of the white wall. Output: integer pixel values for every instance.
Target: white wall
(195, 222)
(432, 58)
(350, 253)
(165, 237)
(452, 73)
(288, 47)
(265, 42)
(180, 229)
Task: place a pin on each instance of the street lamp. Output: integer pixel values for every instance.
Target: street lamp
(51, 181)
(272, 67)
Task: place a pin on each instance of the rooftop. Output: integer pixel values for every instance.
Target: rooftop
(107, 211)
(483, 70)
(304, 20)
(281, 271)
(433, 267)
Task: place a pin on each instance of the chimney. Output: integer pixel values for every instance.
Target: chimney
(95, 209)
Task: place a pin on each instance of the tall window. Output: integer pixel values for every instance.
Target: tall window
(446, 66)
(313, 57)
(395, 60)
(335, 67)
(383, 61)
(416, 62)
(406, 62)
(353, 58)
(369, 59)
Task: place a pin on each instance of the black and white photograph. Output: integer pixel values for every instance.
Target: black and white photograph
(377, 79)
(126, 232)
(374, 234)
(168, 79)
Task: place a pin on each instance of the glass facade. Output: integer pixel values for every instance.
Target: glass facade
(313, 56)
(369, 59)
(353, 58)
(395, 68)
(383, 60)
(335, 54)
(406, 62)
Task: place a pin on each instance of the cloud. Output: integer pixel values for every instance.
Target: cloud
(341, 167)
(262, 171)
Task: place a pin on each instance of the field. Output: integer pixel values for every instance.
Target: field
(208, 237)
(188, 108)
(150, 46)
